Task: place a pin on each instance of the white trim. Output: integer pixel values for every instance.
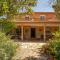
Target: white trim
(42, 15)
(44, 33)
(22, 33)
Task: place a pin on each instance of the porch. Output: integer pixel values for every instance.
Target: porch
(33, 33)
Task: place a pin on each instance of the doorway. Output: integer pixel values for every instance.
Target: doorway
(33, 32)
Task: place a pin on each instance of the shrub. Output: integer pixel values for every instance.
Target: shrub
(7, 47)
(6, 26)
(53, 46)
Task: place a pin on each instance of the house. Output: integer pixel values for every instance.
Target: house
(36, 26)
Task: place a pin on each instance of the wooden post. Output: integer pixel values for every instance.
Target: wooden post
(44, 33)
(59, 28)
(22, 33)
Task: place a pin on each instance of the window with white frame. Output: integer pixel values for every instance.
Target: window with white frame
(27, 17)
(42, 17)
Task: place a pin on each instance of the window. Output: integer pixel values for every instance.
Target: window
(42, 17)
(27, 17)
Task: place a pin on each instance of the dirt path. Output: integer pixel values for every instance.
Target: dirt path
(29, 51)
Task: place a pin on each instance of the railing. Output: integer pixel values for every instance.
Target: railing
(36, 20)
(33, 20)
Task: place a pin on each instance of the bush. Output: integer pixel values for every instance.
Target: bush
(53, 46)
(7, 47)
(7, 26)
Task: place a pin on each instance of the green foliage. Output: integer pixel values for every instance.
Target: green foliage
(53, 46)
(6, 26)
(7, 47)
(56, 35)
(10, 7)
(56, 7)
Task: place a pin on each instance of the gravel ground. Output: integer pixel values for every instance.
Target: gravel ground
(29, 51)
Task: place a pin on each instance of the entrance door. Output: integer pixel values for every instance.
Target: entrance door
(33, 32)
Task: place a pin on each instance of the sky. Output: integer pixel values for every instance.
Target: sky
(43, 6)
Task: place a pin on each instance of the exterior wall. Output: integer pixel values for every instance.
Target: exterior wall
(39, 32)
(34, 19)
(53, 28)
(48, 16)
(26, 32)
(35, 16)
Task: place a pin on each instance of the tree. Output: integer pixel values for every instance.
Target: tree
(56, 6)
(6, 26)
(9, 8)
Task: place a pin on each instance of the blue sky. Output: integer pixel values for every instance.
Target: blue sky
(43, 6)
